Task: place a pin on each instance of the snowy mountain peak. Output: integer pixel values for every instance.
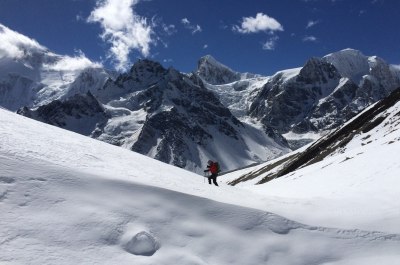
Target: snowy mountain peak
(324, 93)
(216, 73)
(210, 61)
(365, 71)
(145, 65)
(347, 52)
(317, 71)
(145, 69)
(350, 63)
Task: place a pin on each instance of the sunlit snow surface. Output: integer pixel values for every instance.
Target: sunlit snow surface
(356, 187)
(69, 199)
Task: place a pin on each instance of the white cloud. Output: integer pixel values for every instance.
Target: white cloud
(185, 21)
(205, 46)
(396, 66)
(123, 29)
(310, 39)
(80, 17)
(169, 29)
(311, 23)
(68, 63)
(271, 43)
(15, 45)
(261, 22)
(197, 29)
(193, 28)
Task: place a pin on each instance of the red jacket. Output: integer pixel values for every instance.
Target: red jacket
(213, 168)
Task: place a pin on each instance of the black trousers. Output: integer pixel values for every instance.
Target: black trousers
(213, 177)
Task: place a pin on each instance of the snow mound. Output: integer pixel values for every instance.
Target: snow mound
(143, 244)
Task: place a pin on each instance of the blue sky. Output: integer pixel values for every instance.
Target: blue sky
(258, 36)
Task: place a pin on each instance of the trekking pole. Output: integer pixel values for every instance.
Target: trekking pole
(206, 174)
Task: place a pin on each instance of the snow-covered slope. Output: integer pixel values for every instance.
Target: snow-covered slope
(351, 175)
(68, 199)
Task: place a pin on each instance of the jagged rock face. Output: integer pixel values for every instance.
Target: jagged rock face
(324, 93)
(81, 113)
(215, 73)
(317, 73)
(181, 113)
(331, 111)
(384, 77)
(143, 74)
(283, 103)
(173, 146)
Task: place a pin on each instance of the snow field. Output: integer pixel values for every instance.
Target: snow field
(65, 217)
(68, 199)
(357, 187)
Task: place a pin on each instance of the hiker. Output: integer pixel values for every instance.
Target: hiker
(213, 168)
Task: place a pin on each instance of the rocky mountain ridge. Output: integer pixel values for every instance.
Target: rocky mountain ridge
(324, 93)
(381, 118)
(164, 114)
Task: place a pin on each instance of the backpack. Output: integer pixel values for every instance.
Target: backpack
(217, 166)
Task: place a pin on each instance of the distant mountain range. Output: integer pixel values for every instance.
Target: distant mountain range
(187, 119)
(324, 93)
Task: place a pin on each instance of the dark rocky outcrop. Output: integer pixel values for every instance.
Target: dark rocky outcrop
(81, 113)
